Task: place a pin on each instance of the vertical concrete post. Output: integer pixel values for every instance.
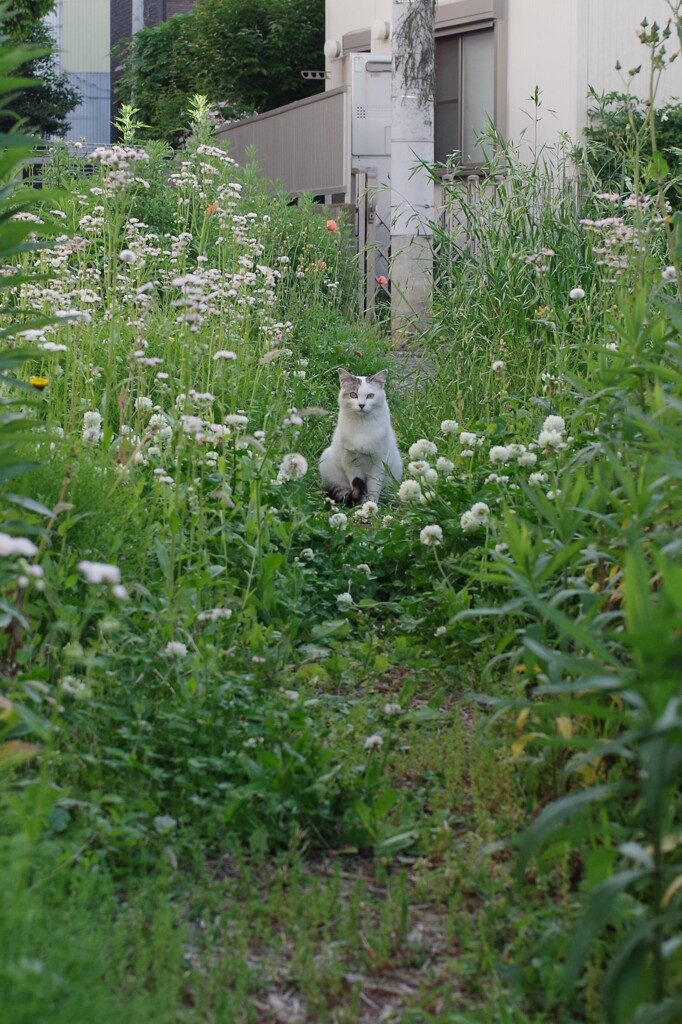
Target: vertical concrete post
(412, 189)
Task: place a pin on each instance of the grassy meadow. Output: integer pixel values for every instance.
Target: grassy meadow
(263, 759)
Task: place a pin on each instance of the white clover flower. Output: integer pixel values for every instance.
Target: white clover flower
(516, 449)
(576, 293)
(236, 420)
(128, 256)
(344, 601)
(10, 546)
(92, 427)
(338, 521)
(431, 535)
(164, 823)
(175, 649)
(501, 548)
(307, 555)
(374, 742)
(553, 495)
(441, 631)
(292, 467)
(444, 465)
(527, 459)
(143, 403)
(386, 521)
(468, 522)
(467, 453)
(669, 274)
(468, 439)
(550, 439)
(366, 511)
(499, 453)
(475, 517)
(100, 572)
(214, 614)
(224, 354)
(430, 477)
(497, 366)
(555, 423)
(392, 709)
(410, 490)
(119, 592)
(537, 478)
(417, 468)
(363, 567)
(449, 427)
(422, 449)
(192, 425)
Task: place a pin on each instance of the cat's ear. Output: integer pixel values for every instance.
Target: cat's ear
(379, 378)
(345, 377)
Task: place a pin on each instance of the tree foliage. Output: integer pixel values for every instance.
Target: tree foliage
(45, 109)
(245, 55)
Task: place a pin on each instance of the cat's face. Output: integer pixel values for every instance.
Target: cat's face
(362, 395)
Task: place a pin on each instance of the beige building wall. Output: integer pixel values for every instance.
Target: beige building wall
(85, 35)
(563, 48)
(560, 46)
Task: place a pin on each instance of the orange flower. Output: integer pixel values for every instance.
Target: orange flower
(382, 281)
(332, 225)
(211, 208)
(321, 265)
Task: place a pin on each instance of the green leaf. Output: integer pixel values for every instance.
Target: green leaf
(30, 504)
(556, 814)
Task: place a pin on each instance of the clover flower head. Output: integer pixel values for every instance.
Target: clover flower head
(527, 459)
(576, 293)
(92, 427)
(499, 453)
(338, 521)
(468, 438)
(555, 423)
(449, 427)
(669, 274)
(175, 649)
(497, 366)
(444, 465)
(100, 572)
(431, 535)
(537, 478)
(422, 449)
(10, 546)
(366, 511)
(550, 439)
(410, 490)
(292, 467)
(374, 742)
(344, 601)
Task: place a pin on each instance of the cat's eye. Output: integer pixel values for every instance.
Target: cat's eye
(353, 394)
(371, 395)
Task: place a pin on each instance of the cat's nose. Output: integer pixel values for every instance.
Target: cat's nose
(361, 405)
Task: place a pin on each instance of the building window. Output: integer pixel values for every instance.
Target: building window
(465, 93)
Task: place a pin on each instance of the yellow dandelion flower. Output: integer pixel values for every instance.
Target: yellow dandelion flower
(39, 382)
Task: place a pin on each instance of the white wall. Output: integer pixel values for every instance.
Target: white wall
(564, 46)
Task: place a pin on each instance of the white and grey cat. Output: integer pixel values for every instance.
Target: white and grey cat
(363, 447)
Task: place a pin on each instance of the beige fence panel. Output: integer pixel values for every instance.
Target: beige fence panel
(303, 145)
